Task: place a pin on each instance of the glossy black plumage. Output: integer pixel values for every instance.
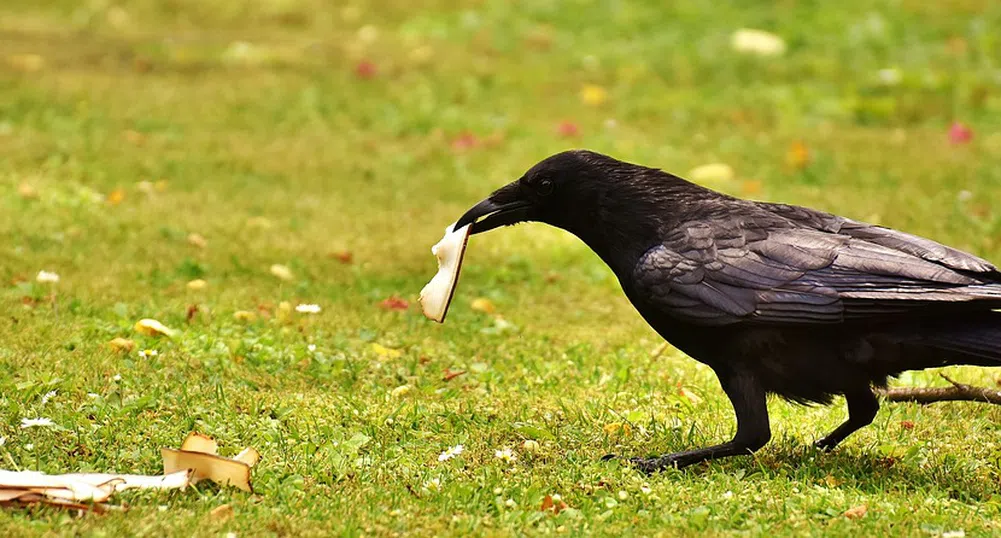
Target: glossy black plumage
(775, 298)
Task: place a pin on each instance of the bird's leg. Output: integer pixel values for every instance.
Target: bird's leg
(862, 408)
(748, 399)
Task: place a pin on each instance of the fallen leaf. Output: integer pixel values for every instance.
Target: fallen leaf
(152, 327)
(907, 424)
(343, 256)
(385, 352)
(567, 129)
(26, 191)
(856, 512)
(122, 345)
(197, 284)
(366, 70)
(197, 240)
(281, 271)
(198, 455)
(191, 312)
(711, 173)
(798, 155)
(831, 482)
(960, 133)
(401, 391)
(394, 303)
(759, 42)
(92, 487)
(482, 304)
(617, 428)
(450, 375)
(222, 512)
(465, 141)
(134, 137)
(593, 95)
(554, 505)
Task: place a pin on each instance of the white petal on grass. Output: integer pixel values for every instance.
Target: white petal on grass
(760, 42)
(36, 422)
(281, 271)
(308, 309)
(48, 396)
(46, 277)
(506, 455)
(451, 453)
(3, 440)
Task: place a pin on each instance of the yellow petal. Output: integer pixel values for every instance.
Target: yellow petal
(798, 155)
(116, 196)
(482, 304)
(593, 95)
(386, 352)
(152, 327)
(197, 284)
(711, 173)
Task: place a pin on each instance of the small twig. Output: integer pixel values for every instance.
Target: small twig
(956, 393)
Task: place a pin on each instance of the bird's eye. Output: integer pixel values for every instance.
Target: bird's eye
(545, 187)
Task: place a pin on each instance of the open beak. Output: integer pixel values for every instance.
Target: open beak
(501, 208)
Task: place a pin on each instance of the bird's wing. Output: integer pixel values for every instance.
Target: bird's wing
(773, 269)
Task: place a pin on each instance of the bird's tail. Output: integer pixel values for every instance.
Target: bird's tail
(974, 341)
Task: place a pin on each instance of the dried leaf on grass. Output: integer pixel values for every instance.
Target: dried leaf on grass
(198, 454)
(196, 460)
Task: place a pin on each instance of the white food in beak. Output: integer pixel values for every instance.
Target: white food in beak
(437, 294)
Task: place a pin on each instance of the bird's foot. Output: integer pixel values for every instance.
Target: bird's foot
(826, 444)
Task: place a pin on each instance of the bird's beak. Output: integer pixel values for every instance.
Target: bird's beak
(501, 208)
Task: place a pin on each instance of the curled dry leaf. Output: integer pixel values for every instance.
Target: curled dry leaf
(554, 505)
(394, 303)
(857, 512)
(122, 345)
(437, 294)
(198, 455)
(152, 327)
(197, 240)
(91, 487)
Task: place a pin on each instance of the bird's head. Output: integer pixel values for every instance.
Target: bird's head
(563, 190)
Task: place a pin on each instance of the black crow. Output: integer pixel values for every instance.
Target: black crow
(774, 298)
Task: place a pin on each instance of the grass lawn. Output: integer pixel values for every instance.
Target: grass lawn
(305, 133)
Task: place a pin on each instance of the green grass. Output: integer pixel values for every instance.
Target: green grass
(287, 156)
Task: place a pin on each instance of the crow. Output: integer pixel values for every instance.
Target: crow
(776, 299)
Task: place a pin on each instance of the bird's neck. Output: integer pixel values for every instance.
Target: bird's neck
(627, 219)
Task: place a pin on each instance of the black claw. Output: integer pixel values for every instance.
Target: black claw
(825, 445)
